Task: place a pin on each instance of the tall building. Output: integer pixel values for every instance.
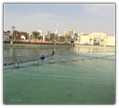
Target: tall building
(65, 33)
(56, 32)
(71, 31)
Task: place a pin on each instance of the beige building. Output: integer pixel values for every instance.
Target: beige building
(110, 40)
(97, 38)
(65, 33)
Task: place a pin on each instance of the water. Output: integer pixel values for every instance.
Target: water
(73, 82)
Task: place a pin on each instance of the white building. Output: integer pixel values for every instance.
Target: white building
(8, 36)
(41, 32)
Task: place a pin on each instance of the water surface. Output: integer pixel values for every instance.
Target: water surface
(73, 82)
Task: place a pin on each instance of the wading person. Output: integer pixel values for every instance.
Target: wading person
(42, 58)
(53, 52)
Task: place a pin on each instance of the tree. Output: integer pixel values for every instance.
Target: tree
(76, 36)
(15, 32)
(90, 41)
(52, 36)
(40, 37)
(69, 38)
(56, 37)
(35, 33)
(62, 38)
(101, 41)
(8, 31)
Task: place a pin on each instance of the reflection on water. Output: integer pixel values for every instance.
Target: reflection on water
(88, 81)
(94, 50)
(26, 52)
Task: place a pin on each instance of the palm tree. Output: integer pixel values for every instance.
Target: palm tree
(62, 38)
(35, 33)
(69, 38)
(90, 41)
(101, 41)
(76, 36)
(40, 37)
(52, 36)
(15, 32)
(56, 37)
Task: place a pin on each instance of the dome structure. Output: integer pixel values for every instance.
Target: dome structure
(23, 37)
(40, 31)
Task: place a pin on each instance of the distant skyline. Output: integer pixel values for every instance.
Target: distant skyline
(85, 18)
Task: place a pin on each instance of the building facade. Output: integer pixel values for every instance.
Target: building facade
(8, 36)
(97, 38)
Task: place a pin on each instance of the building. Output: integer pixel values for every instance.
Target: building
(71, 31)
(43, 35)
(96, 38)
(60, 35)
(8, 35)
(56, 32)
(65, 33)
(21, 35)
(40, 31)
(110, 40)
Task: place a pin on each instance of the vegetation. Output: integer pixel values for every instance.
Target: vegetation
(52, 36)
(68, 38)
(62, 38)
(14, 34)
(101, 41)
(40, 37)
(56, 37)
(76, 36)
(8, 31)
(35, 34)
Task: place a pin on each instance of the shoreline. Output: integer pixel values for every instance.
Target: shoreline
(62, 45)
(34, 45)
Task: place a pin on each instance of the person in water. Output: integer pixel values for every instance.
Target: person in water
(53, 52)
(42, 57)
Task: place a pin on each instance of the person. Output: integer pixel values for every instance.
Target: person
(53, 52)
(42, 57)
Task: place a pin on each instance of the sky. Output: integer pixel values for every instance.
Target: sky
(87, 18)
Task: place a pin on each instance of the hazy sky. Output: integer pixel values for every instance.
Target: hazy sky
(85, 18)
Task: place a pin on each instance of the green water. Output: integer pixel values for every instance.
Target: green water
(74, 82)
